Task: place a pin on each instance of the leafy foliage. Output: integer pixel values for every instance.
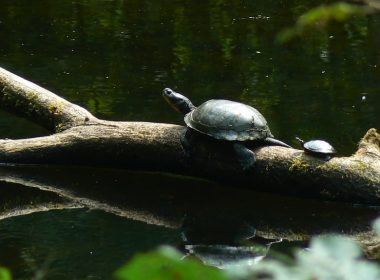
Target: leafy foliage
(328, 257)
(321, 16)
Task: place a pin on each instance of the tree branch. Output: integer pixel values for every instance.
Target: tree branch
(26, 99)
(84, 139)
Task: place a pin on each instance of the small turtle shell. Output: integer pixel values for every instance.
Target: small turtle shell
(228, 120)
(320, 147)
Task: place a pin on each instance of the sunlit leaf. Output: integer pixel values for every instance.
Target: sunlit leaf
(5, 274)
(336, 257)
(376, 226)
(335, 247)
(166, 263)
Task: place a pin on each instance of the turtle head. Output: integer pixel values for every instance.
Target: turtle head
(300, 140)
(179, 102)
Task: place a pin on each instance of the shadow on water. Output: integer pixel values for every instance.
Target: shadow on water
(124, 212)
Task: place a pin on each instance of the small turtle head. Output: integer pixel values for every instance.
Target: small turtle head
(179, 102)
(300, 140)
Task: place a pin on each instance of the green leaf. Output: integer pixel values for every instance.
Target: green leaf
(166, 263)
(5, 274)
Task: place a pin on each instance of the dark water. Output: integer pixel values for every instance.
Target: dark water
(135, 215)
(79, 245)
(115, 57)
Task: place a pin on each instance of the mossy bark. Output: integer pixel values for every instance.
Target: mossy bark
(81, 138)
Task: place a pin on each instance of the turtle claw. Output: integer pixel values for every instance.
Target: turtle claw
(327, 158)
(245, 156)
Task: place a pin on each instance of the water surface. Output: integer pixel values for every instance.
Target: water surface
(80, 244)
(115, 57)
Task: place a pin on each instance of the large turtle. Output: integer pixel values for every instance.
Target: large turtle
(224, 120)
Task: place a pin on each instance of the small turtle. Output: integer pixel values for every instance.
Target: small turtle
(223, 120)
(318, 148)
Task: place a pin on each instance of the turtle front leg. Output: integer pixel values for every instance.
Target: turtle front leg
(245, 156)
(326, 157)
(185, 141)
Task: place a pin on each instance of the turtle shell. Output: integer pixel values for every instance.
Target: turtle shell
(320, 147)
(228, 120)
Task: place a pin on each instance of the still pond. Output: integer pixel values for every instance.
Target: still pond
(114, 58)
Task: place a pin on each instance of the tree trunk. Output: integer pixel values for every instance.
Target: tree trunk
(80, 138)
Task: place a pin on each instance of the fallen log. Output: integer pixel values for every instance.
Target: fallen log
(78, 137)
